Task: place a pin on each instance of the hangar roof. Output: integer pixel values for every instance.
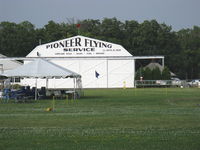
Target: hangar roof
(79, 46)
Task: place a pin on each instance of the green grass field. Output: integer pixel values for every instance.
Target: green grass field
(106, 119)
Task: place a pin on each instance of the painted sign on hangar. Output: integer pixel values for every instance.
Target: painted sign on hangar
(79, 46)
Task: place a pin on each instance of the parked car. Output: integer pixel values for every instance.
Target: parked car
(194, 83)
(176, 81)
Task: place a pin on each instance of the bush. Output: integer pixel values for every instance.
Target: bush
(154, 74)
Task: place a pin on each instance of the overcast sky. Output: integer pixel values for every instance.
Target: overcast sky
(177, 13)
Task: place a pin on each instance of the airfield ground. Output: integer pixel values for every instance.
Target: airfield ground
(106, 119)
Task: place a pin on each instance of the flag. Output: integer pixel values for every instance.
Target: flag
(96, 74)
(78, 25)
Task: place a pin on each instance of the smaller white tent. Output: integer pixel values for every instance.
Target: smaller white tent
(41, 68)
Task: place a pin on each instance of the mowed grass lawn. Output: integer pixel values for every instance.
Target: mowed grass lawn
(106, 119)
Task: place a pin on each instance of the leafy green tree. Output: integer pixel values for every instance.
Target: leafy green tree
(7, 38)
(17, 39)
(166, 74)
(156, 74)
(53, 31)
(112, 30)
(189, 40)
(147, 74)
(90, 28)
(131, 33)
(140, 73)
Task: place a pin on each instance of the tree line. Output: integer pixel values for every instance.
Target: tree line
(180, 48)
(153, 74)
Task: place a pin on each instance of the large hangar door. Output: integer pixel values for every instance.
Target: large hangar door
(94, 73)
(120, 73)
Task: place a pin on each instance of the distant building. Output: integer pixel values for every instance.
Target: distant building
(154, 65)
(8, 64)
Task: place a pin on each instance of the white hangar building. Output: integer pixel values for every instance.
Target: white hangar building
(101, 64)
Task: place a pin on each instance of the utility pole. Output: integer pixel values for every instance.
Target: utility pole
(40, 41)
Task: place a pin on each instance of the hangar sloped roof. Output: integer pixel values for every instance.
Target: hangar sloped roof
(79, 46)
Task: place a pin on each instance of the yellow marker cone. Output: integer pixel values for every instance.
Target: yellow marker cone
(49, 109)
(124, 85)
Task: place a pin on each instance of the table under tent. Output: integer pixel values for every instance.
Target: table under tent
(43, 69)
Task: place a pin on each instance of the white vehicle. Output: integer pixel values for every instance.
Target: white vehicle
(176, 81)
(195, 82)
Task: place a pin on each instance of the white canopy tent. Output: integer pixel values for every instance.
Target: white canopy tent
(40, 68)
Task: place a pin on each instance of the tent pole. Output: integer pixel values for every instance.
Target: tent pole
(36, 89)
(74, 88)
(163, 62)
(46, 83)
